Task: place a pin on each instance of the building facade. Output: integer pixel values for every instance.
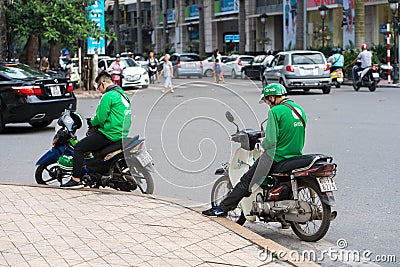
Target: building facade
(275, 30)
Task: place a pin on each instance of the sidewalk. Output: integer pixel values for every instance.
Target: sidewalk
(382, 83)
(49, 226)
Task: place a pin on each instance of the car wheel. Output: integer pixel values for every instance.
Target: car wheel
(208, 73)
(243, 75)
(234, 74)
(2, 124)
(41, 124)
(306, 89)
(326, 89)
(283, 83)
(145, 86)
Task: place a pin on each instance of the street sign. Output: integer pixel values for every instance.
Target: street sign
(382, 29)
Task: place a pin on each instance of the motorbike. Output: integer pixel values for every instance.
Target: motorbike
(117, 78)
(123, 166)
(369, 77)
(297, 191)
(337, 77)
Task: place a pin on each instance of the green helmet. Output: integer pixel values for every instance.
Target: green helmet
(272, 89)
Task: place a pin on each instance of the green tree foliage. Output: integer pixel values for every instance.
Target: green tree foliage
(54, 20)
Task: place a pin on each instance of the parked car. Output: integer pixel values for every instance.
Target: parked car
(255, 69)
(236, 62)
(133, 76)
(299, 69)
(187, 64)
(208, 67)
(29, 95)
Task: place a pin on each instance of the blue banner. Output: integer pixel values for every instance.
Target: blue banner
(96, 14)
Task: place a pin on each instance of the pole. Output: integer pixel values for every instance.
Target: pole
(388, 50)
(323, 35)
(395, 55)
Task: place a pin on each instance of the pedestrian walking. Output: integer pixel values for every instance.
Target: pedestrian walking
(168, 72)
(218, 71)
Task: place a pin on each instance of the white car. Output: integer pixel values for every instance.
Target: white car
(236, 62)
(133, 76)
(208, 67)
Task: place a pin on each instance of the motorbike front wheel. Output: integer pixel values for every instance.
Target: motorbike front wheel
(47, 174)
(221, 189)
(372, 87)
(316, 228)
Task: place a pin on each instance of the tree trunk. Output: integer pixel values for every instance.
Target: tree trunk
(242, 26)
(300, 25)
(3, 30)
(202, 48)
(359, 23)
(54, 55)
(30, 51)
(117, 46)
(139, 26)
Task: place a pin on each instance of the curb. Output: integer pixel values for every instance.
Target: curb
(196, 207)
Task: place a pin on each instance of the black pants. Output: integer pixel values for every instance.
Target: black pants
(257, 171)
(90, 143)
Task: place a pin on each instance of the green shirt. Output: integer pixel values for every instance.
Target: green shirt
(113, 114)
(284, 133)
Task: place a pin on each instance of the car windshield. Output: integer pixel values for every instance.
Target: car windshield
(190, 58)
(21, 72)
(311, 58)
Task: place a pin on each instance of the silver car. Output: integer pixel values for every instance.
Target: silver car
(299, 70)
(236, 62)
(187, 64)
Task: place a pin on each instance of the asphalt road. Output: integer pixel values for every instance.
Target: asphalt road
(187, 135)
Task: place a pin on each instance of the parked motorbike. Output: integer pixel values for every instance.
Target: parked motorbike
(298, 191)
(369, 77)
(117, 78)
(337, 77)
(121, 166)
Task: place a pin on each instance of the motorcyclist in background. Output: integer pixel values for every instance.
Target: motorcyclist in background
(117, 68)
(336, 59)
(366, 61)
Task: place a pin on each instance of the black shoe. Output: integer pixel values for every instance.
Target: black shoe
(285, 225)
(214, 211)
(72, 184)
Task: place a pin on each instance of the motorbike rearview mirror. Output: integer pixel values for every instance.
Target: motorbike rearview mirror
(231, 119)
(262, 128)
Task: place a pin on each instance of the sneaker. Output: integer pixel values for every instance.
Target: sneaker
(72, 184)
(215, 211)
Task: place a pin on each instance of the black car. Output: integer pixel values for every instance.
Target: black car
(29, 95)
(255, 69)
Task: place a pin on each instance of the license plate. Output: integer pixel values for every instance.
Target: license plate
(340, 80)
(144, 158)
(55, 90)
(375, 74)
(190, 65)
(326, 184)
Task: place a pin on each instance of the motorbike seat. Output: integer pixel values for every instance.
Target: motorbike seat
(115, 146)
(303, 161)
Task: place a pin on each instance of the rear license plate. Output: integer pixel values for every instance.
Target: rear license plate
(55, 90)
(326, 184)
(375, 74)
(340, 80)
(144, 158)
(190, 65)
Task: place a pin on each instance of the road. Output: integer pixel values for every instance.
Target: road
(187, 134)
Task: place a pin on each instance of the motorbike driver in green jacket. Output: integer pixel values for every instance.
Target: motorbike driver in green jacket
(112, 119)
(284, 138)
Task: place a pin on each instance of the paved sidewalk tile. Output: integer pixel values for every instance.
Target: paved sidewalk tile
(44, 226)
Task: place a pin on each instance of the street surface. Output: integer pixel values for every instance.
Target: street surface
(187, 135)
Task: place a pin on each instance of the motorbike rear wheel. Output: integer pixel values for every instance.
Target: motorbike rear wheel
(315, 229)
(221, 189)
(372, 87)
(123, 174)
(47, 174)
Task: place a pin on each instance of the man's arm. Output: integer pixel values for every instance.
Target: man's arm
(102, 112)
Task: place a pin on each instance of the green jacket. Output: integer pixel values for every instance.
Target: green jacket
(284, 133)
(113, 114)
